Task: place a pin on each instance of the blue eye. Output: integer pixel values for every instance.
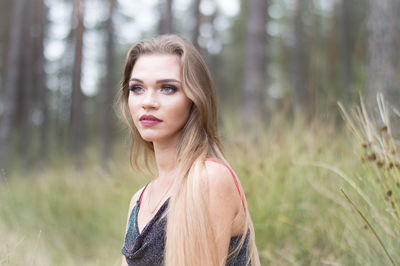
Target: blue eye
(168, 89)
(135, 88)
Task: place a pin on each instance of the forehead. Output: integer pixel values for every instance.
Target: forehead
(157, 66)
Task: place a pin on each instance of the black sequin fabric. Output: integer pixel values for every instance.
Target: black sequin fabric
(147, 247)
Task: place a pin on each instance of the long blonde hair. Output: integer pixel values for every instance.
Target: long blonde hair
(190, 239)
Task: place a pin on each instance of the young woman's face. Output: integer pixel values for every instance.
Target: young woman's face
(157, 103)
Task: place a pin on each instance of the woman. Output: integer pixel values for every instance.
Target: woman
(194, 212)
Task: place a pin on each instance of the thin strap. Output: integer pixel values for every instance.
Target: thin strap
(234, 179)
(141, 194)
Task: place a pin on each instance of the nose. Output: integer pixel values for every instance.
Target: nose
(150, 99)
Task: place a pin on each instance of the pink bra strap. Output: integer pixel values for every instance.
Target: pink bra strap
(234, 179)
(141, 195)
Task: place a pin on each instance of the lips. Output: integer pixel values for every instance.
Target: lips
(149, 120)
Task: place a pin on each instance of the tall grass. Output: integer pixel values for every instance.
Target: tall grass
(376, 187)
(63, 217)
(59, 216)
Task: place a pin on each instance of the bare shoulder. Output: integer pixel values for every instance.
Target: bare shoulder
(219, 174)
(225, 202)
(221, 181)
(135, 198)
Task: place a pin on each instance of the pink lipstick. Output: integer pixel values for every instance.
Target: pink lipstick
(149, 120)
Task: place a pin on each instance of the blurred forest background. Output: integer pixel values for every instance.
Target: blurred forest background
(61, 62)
(280, 67)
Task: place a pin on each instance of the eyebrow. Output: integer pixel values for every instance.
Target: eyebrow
(158, 81)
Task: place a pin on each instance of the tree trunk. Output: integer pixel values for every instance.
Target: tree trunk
(347, 46)
(27, 87)
(5, 26)
(254, 83)
(63, 95)
(77, 100)
(300, 62)
(11, 80)
(166, 17)
(40, 77)
(109, 89)
(382, 48)
(196, 29)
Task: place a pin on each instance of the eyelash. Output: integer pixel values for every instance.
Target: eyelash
(134, 88)
(170, 87)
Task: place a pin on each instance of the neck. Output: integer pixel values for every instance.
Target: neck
(166, 159)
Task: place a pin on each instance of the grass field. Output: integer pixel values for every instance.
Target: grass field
(295, 180)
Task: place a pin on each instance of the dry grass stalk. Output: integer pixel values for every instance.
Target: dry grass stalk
(381, 163)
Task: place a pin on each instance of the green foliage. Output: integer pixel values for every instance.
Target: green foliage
(377, 187)
(292, 176)
(63, 217)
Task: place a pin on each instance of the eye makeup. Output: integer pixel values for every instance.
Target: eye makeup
(169, 89)
(165, 88)
(135, 88)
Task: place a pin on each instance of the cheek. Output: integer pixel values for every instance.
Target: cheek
(132, 107)
(184, 110)
(131, 103)
(178, 112)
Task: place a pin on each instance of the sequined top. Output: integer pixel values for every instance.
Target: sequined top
(147, 247)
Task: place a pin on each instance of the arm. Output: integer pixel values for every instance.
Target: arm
(224, 205)
(134, 198)
(123, 263)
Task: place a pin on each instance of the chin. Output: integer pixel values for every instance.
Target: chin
(149, 137)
